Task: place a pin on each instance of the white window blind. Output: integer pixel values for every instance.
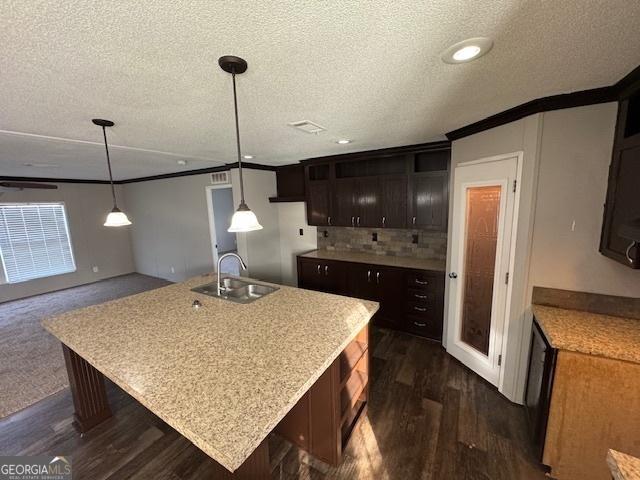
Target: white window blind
(34, 241)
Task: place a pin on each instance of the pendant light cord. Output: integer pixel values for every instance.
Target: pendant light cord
(106, 147)
(235, 108)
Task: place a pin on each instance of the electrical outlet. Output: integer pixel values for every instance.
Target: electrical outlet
(374, 237)
(325, 234)
(173, 270)
(95, 269)
(301, 232)
(414, 238)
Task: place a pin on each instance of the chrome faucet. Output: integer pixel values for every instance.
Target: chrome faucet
(221, 289)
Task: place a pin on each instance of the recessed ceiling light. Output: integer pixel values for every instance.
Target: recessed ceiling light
(182, 162)
(247, 157)
(467, 50)
(343, 141)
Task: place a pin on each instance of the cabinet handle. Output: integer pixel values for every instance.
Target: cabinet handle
(420, 309)
(329, 220)
(353, 221)
(369, 276)
(326, 269)
(413, 220)
(422, 282)
(358, 221)
(418, 324)
(318, 269)
(377, 277)
(421, 297)
(384, 220)
(628, 252)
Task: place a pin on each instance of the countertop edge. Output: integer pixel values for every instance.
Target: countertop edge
(613, 461)
(311, 255)
(227, 462)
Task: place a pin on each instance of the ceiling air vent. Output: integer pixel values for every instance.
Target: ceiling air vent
(220, 178)
(307, 126)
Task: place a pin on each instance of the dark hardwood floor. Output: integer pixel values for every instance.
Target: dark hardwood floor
(429, 418)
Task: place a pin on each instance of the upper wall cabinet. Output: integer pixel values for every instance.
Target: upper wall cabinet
(393, 188)
(621, 225)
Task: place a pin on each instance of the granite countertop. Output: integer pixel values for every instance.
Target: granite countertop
(375, 259)
(623, 466)
(591, 333)
(223, 375)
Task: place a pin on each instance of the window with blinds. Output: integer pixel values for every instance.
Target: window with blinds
(34, 241)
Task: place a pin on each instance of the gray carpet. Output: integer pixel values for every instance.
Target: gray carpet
(31, 361)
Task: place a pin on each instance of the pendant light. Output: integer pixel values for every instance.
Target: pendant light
(243, 220)
(116, 217)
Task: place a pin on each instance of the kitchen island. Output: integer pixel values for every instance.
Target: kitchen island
(224, 375)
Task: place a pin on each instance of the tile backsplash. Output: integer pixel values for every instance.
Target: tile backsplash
(397, 242)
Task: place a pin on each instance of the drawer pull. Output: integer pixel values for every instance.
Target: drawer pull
(326, 269)
(422, 282)
(318, 269)
(369, 276)
(377, 277)
(329, 220)
(421, 297)
(418, 324)
(420, 309)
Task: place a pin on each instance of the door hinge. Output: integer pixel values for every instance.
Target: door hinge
(506, 278)
(515, 184)
(500, 360)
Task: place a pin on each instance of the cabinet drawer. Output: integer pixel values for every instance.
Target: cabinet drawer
(423, 297)
(424, 281)
(425, 326)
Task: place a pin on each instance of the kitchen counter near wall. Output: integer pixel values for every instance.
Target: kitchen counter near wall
(391, 242)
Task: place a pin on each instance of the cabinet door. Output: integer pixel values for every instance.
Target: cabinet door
(345, 211)
(391, 295)
(368, 203)
(311, 275)
(361, 282)
(623, 205)
(429, 201)
(393, 193)
(318, 203)
(335, 277)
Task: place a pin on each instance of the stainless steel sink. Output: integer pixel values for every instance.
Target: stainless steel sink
(235, 290)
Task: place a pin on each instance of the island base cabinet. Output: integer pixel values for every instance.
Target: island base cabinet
(323, 419)
(87, 390)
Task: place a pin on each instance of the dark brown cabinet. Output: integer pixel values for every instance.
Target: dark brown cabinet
(393, 193)
(429, 201)
(542, 359)
(410, 300)
(383, 189)
(622, 205)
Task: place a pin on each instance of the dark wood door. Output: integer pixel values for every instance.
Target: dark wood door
(623, 204)
(368, 203)
(318, 203)
(344, 201)
(539, 385)
(429, 201)
(393, 193)
(391, 287)
(361, 282)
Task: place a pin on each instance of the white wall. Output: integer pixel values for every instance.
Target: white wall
(292, 217)
(574, 167)
(170, 232)
(171, 236)
(93, 244)
(520, 136)
(260, 249)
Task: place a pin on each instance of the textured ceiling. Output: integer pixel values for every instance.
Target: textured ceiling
(370, 71)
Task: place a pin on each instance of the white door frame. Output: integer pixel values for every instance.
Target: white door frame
(499, 342)
(212, 226)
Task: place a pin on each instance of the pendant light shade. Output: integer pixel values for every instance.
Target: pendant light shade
(243, 220)
(116, 217)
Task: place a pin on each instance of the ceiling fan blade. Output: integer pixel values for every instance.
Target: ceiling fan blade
(23, 185)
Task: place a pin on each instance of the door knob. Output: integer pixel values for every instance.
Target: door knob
(453, 275)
